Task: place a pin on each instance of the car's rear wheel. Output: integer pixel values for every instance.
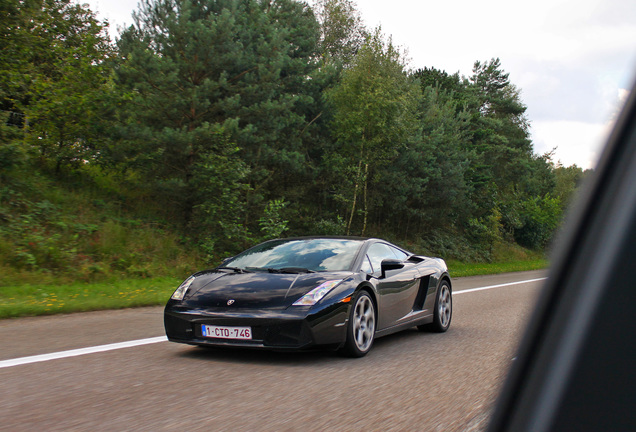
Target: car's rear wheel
(361, 329)
(443, 312)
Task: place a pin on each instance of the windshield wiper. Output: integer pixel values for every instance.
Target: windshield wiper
(291, 270)
(234, 269)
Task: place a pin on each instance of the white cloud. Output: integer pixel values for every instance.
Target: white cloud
(623, 94)
(577, 143)
(117, 12)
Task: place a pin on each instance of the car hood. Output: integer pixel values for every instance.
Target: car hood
(258, 290)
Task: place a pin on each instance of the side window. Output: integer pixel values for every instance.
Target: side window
(366, 266)
(378, 252)
(399, 254)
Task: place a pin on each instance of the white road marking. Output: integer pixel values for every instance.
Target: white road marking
(109, 347)
(79, 352)
(498, 286)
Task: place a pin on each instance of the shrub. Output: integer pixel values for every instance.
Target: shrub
(540, 217)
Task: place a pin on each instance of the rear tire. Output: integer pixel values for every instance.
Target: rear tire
(443, 312)
(361, 328)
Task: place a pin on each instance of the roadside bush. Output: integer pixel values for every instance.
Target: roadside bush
(484, 232)
(540, 218)
(49, 233)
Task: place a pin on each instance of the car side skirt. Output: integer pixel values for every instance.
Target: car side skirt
(416, 318)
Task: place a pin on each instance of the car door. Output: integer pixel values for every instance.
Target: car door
(397, 289)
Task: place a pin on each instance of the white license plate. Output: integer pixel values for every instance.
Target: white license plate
(223, 332)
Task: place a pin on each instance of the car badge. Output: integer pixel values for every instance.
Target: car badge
(230, 302)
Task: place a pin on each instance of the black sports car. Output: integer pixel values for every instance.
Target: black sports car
(298, 293)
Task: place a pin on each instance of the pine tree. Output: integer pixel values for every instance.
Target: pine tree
(197, 70)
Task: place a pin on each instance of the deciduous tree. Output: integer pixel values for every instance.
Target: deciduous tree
(54, 76)
(374, 117)
(342, 30)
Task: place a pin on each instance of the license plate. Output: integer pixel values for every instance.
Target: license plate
(223, 332)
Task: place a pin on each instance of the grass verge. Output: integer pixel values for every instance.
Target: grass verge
(30, 300)
(459, 269)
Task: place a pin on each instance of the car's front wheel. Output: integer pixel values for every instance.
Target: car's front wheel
(443, 310)
(361, 329)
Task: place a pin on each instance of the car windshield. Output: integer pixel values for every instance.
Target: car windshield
(310, 254)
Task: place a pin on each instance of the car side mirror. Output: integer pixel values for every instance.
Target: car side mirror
(390, 264)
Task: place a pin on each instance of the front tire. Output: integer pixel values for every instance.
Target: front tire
(443, 312)
(361, 328)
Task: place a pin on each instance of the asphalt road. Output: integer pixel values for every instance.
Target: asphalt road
(409, 381)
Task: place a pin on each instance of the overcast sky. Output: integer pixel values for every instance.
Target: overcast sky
(572, 60)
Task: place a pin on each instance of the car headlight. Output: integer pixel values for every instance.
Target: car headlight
(313, 296)
(183, 288)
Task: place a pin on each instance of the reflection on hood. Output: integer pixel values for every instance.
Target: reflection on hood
(253, 290)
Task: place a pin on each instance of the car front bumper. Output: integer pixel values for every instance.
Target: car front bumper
(295, 328)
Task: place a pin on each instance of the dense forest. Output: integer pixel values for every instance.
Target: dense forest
(209, 125)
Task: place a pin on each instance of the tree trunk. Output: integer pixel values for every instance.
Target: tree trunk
(366, 207)
(355, 197)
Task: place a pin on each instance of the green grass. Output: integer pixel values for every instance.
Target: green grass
(459, 269)
(506, 258)
(31, 300)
